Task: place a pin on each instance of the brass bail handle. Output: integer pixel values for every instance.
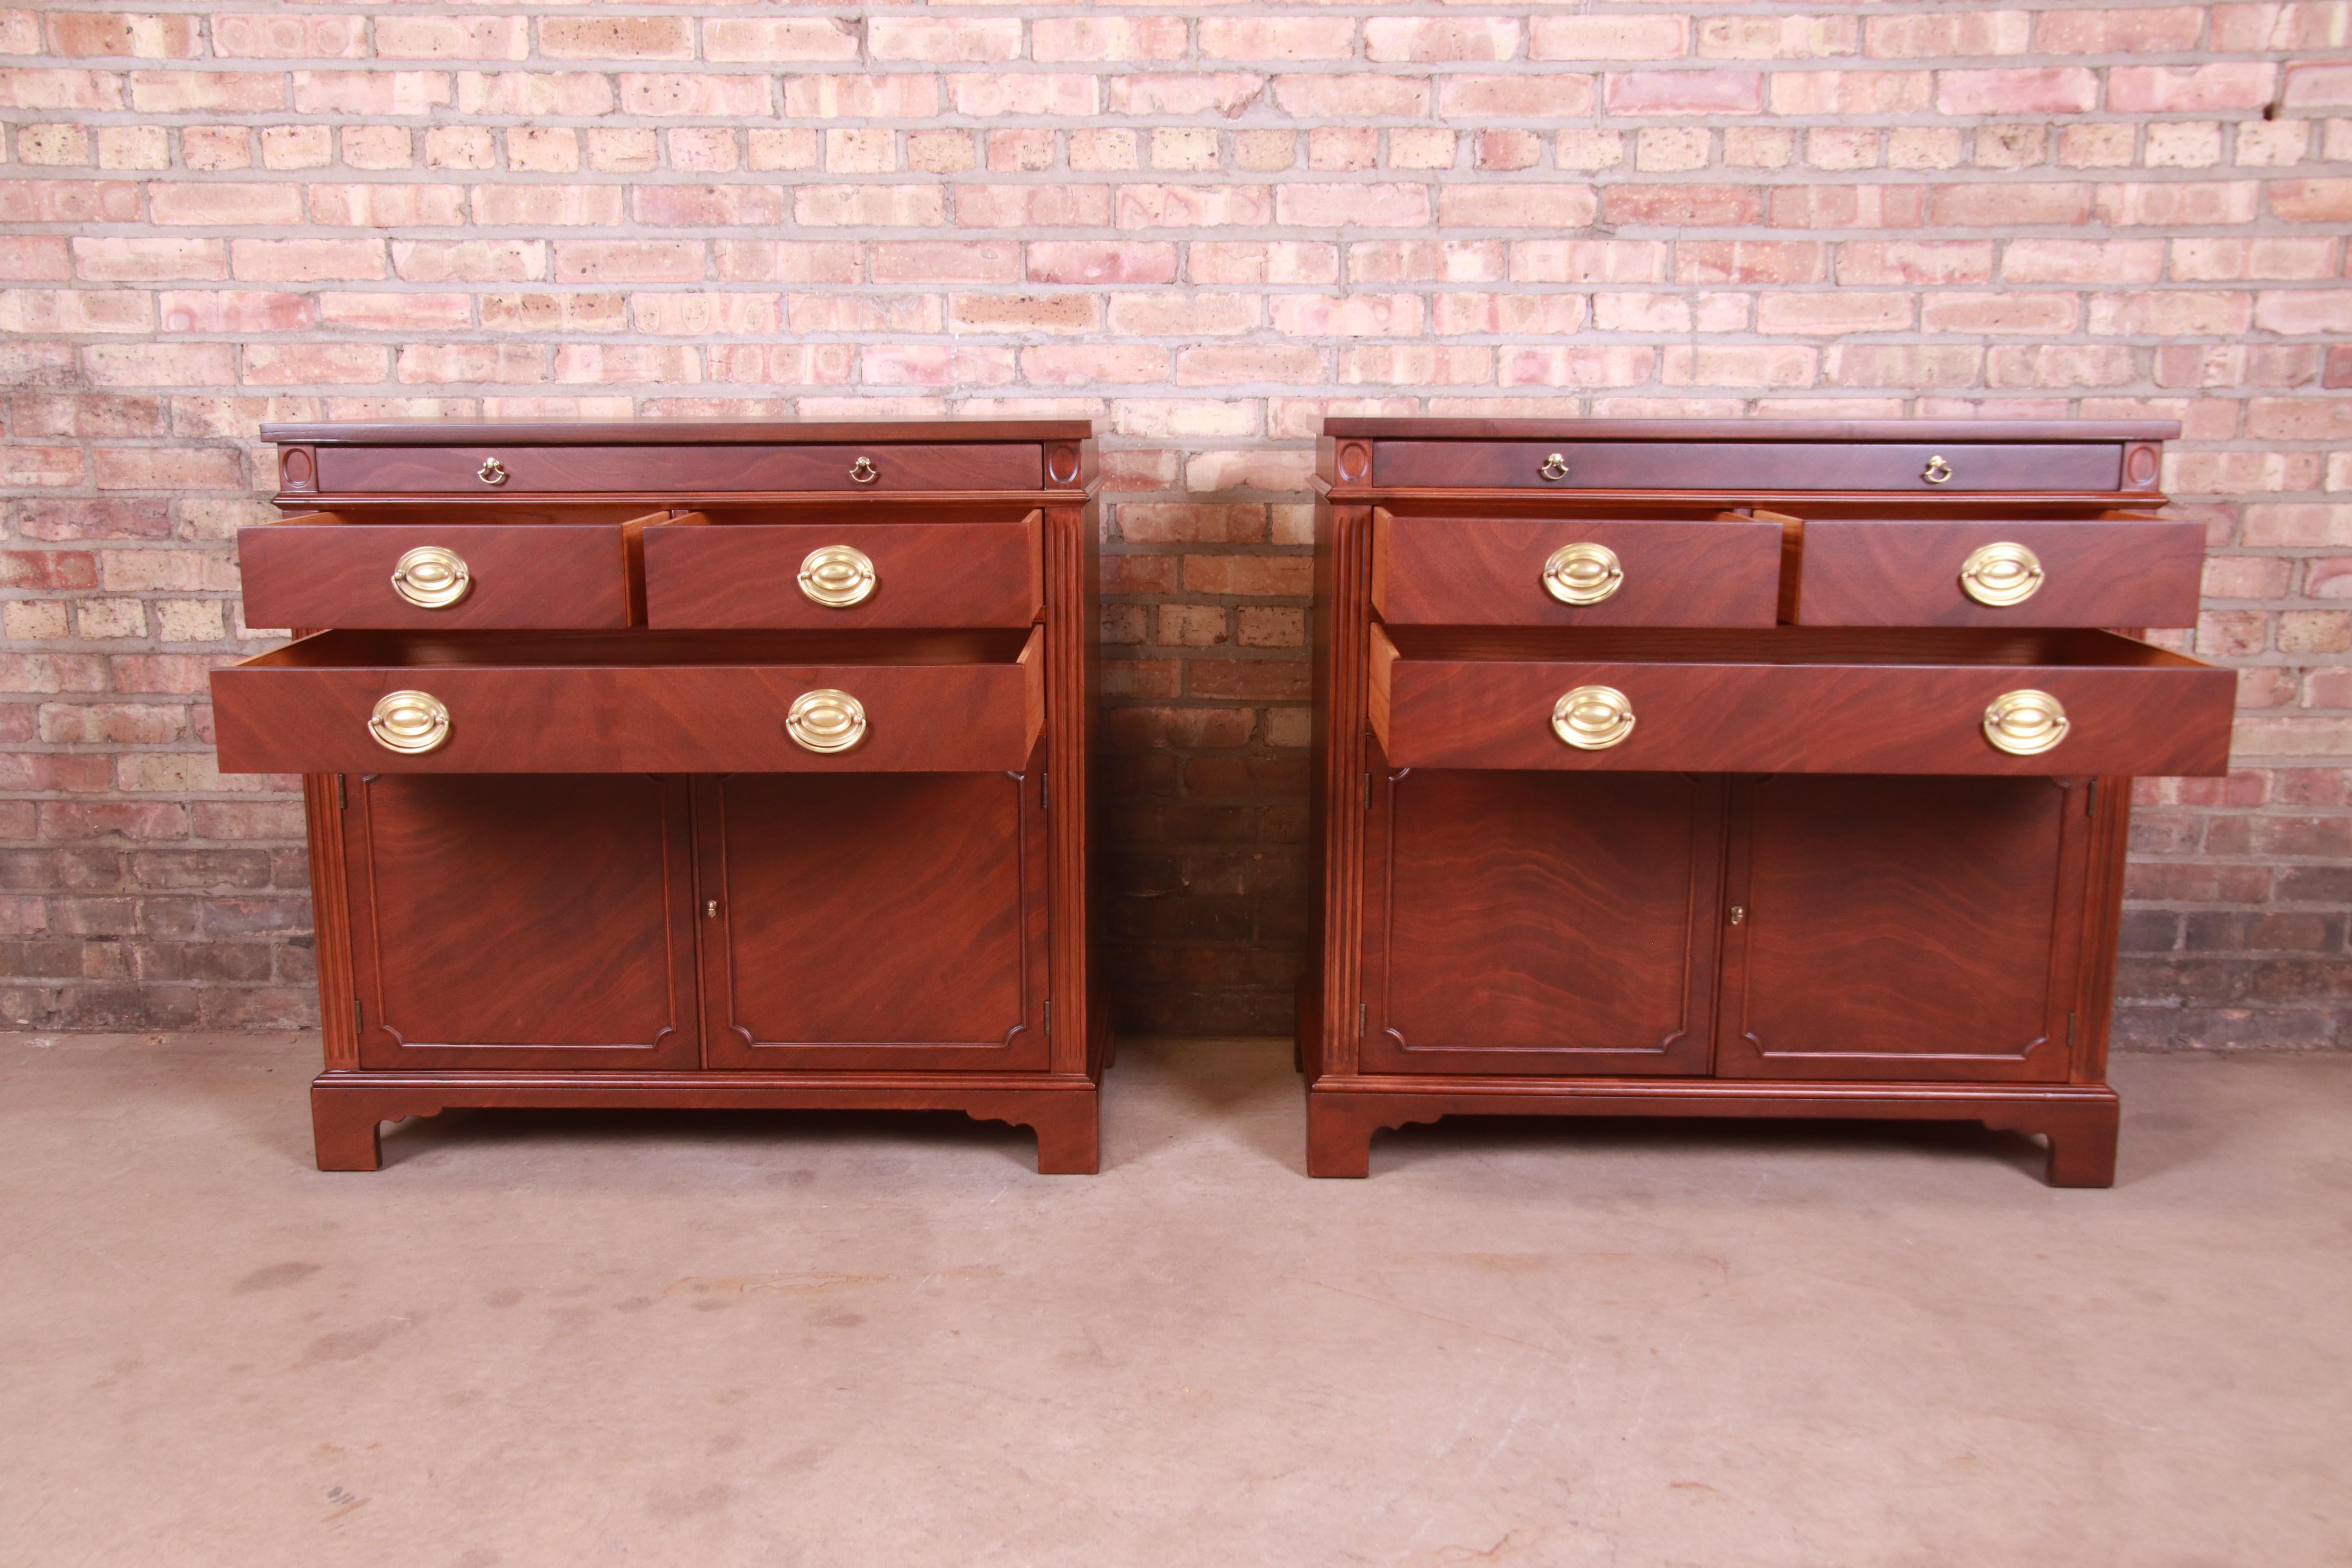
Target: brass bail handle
(2001, 573)
(1555, 467)
(491, 472)
(838, 576)
(864, 472)
(409, 722)
(1592, 718)
(825, 721)
(431, 577)
(1938, 471)
(2025, 723)
(1583, 574)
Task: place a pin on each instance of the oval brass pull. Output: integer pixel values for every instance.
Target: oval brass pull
(2002, 574)
(864, 472)
(839, 575)
(1592, 718)
(1554, 467)
(409, 722)
(1936, 471)
(2025, 723)
(1583, 574)
(825, 721)
(431, 577)
(491, 472)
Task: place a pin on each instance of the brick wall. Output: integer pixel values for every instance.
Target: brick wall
(1205, 227)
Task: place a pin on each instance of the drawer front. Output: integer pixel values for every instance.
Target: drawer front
(1828, 719)
(884, 574)
(1761, 465)
(682, 469)
(1495, 571)
(1895, 573)
(516, 576)
(952, 718)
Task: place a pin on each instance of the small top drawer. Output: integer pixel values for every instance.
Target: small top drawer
(1721, 570)
(976, 571)
(646, 469)
(1928, 467)
(2090, 572)
(319, 569)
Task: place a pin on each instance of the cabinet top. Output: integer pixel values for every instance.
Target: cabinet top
(1951, 432)
(671, 432)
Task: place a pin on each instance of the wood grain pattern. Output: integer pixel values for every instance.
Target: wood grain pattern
(673, 432)
(952, 866)
(576, 469)
(1785, 702)
(1794, 465)
(1524, 922)
(293, 710)
(521, 922)
(1906, 573)
(1905, 928)
(745, 574)
(1685, 433)
(330, 573)
(1073, 692)
(1722, 571)
(1342, 689)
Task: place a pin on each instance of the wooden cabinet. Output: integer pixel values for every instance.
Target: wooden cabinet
(1800, 789)
(701, 765)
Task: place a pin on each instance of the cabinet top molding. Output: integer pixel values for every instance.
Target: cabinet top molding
(671, 432)
(1950, 431)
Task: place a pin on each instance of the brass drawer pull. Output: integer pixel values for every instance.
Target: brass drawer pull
(825, 721)
(1555, 467)
(2002, 574)
(491, 472)
(409, 722)
(2025, 723)
(431, 577)
(839, 575)
(1592, 718)
(1938, 471)
(864, 472)
(1583, 574)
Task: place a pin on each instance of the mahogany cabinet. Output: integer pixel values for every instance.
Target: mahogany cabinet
(687, 764)
(1739, 768)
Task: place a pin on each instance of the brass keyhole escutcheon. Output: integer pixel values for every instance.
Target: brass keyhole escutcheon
(2025, 723)
(864, 472)
(825, 721)
(1739, 914)
(2002, 574)
(838, 576)
(431, 577)
(1554, 467)
(1592, 718)
(491, 472)
(1583, 574)
(1936, 471)
(409, 722)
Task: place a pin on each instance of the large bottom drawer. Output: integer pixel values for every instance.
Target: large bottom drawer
(369, 702)
(1798, 699)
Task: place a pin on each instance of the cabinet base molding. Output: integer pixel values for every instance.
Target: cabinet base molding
(1061, 1109)
(2079, 1120)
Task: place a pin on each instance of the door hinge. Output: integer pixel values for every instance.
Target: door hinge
(1049, 1016)
(1368, 792)
(358, 1019)
(1045, 792)
(1363, 1018)
(342, 791)
(2091, 798)
(2070, 1028)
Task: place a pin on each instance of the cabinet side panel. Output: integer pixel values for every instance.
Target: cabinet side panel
(1073, 688)
(1342, 619)
(330, 919)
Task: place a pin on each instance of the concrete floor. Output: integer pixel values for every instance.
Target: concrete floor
(724, 1339)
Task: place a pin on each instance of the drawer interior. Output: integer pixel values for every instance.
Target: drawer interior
(1921, 647)
(541, 650)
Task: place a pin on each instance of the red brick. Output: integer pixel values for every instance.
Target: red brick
(1680, 207)
(1685, 92)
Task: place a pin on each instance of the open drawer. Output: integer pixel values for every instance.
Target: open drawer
(835, 569)
(1797, 699)
(1692, 570)
(369, 702)
(1999, 569)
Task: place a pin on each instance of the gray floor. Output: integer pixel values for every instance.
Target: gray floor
(800, 1340)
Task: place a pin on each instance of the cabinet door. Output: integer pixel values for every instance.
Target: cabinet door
(1540, 922)
(874, 921)
(521, 922)
(1904, 927)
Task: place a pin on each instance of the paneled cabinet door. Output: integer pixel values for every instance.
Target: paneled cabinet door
(1540, 922)
(874, 921)
(512, 921)
(1904, 927)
